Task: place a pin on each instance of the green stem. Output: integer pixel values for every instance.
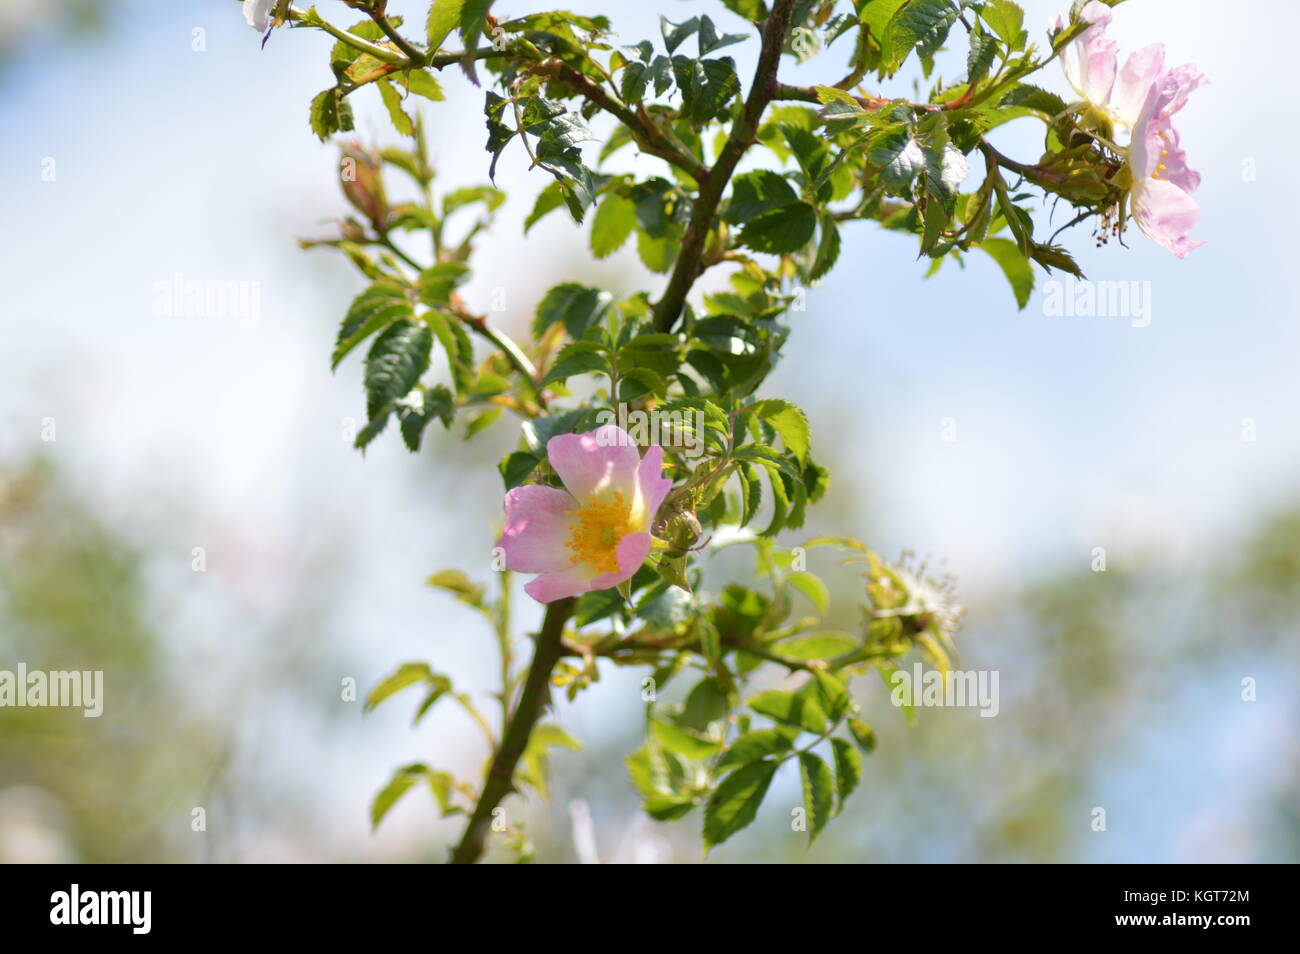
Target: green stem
(415, 56)
(743, 134)
(382, 53)
(499, 781)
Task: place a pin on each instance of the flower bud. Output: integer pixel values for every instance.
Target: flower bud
(682, 529)
(361, 176)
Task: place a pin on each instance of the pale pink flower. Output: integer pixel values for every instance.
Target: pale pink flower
(1091, 65)
(257, 14)
(1162, 180)
(595, 533)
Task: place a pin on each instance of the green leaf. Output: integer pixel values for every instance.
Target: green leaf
(848, 770)
(454, 581)
(923, 24)
(393, 103)
(899, 156)
(833, 693)
(1014, 266)
(707, 702)
(436, 283)
(534, 763)
(517, 467)
(790, 424)
(444, 16)
(813, 588)
(330, 113)
(828, 250)
(790, 708)
(983, 48)
(753, 193)
(613, 222)
(675, 33)
(394, 364)
(402, 781)
(687, 744)
(823, 645)
(818, 792)
(577, 358)
(378, 306)
(1007, 20)
(756, 745)
(863, 735)
(735, 802)
(575, 306)
(407, 674)
(782, 230)
(438, 403)
(423, 83)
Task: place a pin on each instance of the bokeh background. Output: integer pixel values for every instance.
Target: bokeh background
(179, 147)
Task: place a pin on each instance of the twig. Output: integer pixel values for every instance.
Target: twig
(743, 133)
(498, 782)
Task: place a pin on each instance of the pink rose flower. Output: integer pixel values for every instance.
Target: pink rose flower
(1091, 65)
(1142, 97)
(595, 533)
(1163, 182)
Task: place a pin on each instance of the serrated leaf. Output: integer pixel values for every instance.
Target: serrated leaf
(1007, 20)
(823, 645)
(393, 103)
(755, 745)
(848, 770)
(330, 113)
(813, 588)
(790, 708)
(407, 674)
(423, 83)
(575, 306)
(735, 802)
(923, 24)
(456, 582)
(378, 306)
(613, 222)
(1016, 268)
(444, 16)
(818, 792)
(753, 193)
(863, 735)
(899, 156)
(403, 780)
(790, 424)
(681, 741)
(782, 230)
(395, 362)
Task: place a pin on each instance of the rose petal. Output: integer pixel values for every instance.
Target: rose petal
(632, 552)
(653, 485)
(257, 14)
(603, 459)
(1089, 60)
(1165, 214)
(1133, 83)
(536, 530)
(550, 587)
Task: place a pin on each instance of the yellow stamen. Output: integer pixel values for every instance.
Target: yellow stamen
(598, 526)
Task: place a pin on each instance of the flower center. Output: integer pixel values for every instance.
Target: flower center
(599, 524)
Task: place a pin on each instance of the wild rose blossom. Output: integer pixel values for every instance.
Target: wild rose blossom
(1091, 65)
(595, 533)
(1142, 97)
(1161, 199)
